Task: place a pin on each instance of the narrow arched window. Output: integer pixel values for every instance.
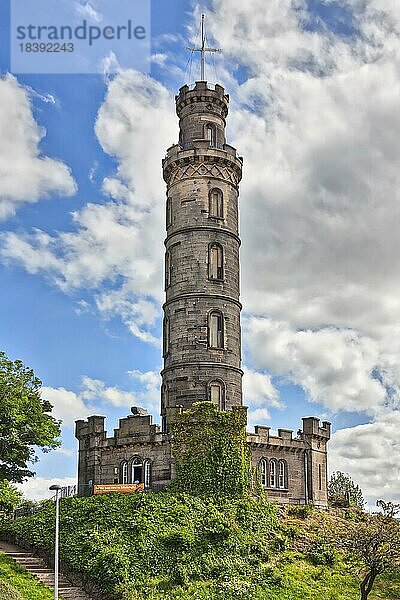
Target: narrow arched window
(216, 204)
(211, 134)
(216, 393)
(282, 474)
(272, 473)
(263, 472)
(168, 269)
(166, 335)
(164, 400)
(124, 472)
(215, 262)
(169, 212)
(147, 474)
(216, 329)
(137, 470)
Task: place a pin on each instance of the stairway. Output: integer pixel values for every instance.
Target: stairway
(38, 567)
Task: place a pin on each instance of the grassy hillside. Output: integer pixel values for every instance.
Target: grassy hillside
(17, 584)
(168, 546)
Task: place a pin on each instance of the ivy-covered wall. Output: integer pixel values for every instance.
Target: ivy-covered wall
(210, 451)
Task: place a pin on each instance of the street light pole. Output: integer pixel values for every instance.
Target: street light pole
(57, 489)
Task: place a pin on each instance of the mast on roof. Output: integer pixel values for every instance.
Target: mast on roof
(203, 49)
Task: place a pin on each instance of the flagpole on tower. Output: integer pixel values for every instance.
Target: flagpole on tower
(203, 45)
(203, 50)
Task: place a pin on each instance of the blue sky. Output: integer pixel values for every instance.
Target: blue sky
(298, 74)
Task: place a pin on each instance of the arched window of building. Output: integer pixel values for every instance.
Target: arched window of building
(169, 212)
(147, 474)
(211, 134)
(272, 473)
(216, 329)
(216, 393)
(168, 268)
(319, 477)
(137, 470)
(216, 204)
(166, 335)
(282, 474)
(124, 472)
(263, 472)
(215, 261)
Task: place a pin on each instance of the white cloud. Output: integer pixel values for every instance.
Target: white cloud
(258, 389)
(87, 11)
(335, 367)
(95, 389)
(149, 394)
(67, 406)
(26, 176)
(37, 488)
(95, 397)
(370, 453)
(116, 249)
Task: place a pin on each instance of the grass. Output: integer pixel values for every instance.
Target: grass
(17, 584)
(386, 587)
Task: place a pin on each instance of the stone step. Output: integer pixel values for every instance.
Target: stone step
(38, 567)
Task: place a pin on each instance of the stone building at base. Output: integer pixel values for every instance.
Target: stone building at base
(201, 325)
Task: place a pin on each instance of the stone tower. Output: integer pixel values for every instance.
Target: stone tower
(201, 326)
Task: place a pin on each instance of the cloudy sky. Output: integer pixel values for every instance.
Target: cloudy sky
(315, 92)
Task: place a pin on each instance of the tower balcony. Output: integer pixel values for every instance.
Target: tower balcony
(201, 151)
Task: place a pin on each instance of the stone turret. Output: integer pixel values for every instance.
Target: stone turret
(316, 438)
(201, 333)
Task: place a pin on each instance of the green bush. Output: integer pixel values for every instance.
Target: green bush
(301, 511)
(170, 546)
(8, 593)
(321, 553)
(156, 541)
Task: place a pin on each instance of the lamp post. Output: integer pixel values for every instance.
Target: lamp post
(56, 489)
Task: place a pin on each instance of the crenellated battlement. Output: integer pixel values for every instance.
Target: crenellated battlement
(135, 427)
(94, 426)
(202, 96)
(311, 427)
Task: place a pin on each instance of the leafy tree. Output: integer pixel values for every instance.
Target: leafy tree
(372, 544)
(342, 491)
(25, 420)
(389, 509)
(10, 498)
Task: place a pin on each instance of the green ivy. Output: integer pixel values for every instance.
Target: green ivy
(211, 455)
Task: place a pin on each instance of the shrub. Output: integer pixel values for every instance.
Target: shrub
(321, 553)
(8, 592)
(301, 511)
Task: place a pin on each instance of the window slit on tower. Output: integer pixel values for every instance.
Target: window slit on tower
(211, 134)
(169, 212)
(216, 330)
(166, 336)
(216, 394)
(215, 262)
(216, 204)
(168, 269)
